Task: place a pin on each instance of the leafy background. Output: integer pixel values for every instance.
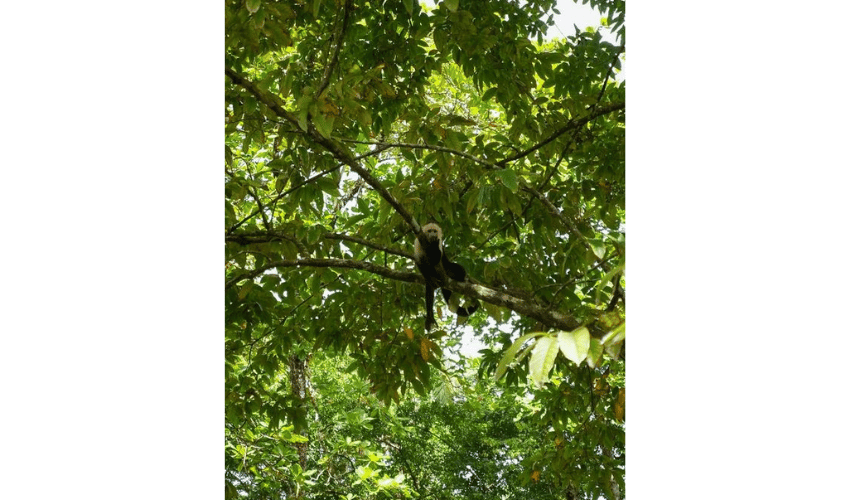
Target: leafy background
(112, 313)
(348, 125)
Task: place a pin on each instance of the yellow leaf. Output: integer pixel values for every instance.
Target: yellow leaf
(409, 333)
(599, 387)
(245, 289)
(535, 475)
(542, 359)
(620, 406)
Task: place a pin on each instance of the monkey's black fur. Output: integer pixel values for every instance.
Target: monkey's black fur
(431, 260)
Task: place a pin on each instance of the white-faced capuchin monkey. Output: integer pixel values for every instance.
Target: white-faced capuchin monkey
(429, 256)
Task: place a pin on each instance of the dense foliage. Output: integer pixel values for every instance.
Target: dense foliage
(351, 123)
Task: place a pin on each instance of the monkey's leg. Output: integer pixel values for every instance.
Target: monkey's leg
(429, 307)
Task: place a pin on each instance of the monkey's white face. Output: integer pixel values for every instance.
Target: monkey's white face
(433, 232)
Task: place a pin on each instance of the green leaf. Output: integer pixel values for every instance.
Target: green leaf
(594, 354)
(542, 359)
(613, 340)
(364, 472)
(494, 311)
(614, 350)
(472, 200)
(514, 203)
(245, 289)
(575, 344)
(252, 5)
(508, 178)
(598, 248)
(452, 5)
(489, 94)
(324, 124)
(511, 353)
(457, 120)
(417, 386)
(280, 183)
(230, 491)
(364, 118)
(615, 336)
(609, 276)
(297, 438)
(302, 118)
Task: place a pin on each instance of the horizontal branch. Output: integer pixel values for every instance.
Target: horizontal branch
(335, 263)
(543, 314)
(252, 237)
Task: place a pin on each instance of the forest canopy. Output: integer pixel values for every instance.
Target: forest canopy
(348, 126)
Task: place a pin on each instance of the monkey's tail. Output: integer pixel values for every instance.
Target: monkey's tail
(455, 308)
(466, 311)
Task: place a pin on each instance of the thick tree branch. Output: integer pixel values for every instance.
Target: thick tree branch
(335, 263)
(252, 237)
(543, 314)
(547, 317)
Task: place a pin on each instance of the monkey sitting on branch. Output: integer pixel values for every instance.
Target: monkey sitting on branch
(434, 265)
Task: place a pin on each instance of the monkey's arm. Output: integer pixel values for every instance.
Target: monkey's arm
(453, 270)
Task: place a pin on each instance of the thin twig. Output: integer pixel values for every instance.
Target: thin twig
(339, 34)
(424, 146)
(367, 243)
(300, 184)
(575, 123)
